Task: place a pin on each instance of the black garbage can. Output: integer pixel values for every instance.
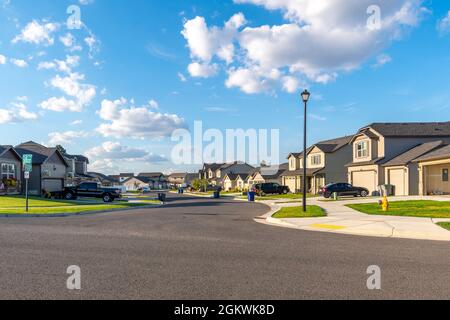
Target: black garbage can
(217, 194)
(162, 197)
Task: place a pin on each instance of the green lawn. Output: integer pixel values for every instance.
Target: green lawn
(16, 205)
(297, 212)
(423, 209)
(445, 225)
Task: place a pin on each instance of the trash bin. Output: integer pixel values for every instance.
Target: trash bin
(180, 191)
(162, 197)
(251, 196)
(387, 190)
(216, 194)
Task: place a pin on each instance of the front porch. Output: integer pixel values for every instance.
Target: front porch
(434, 177)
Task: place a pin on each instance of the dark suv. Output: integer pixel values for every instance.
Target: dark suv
(270, 188)
(343, 189)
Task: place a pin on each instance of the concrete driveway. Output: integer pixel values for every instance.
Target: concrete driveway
(205, 249)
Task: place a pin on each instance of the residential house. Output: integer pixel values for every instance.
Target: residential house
(122, 177)
(138, 183)
(326, 162)
(190, 177)
(77, 172)
(104, 180)
(49, 168)
(215, 173)
(11, 170)
(177, 179)
(233, 181)
(376, 145)
(434, 171)
(158, 178)
(266, 174)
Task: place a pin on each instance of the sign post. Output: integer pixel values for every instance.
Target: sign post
(27, 160)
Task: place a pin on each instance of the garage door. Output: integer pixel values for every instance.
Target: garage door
(290, 182)
(52, 185)
(365, 179)
(397, 178)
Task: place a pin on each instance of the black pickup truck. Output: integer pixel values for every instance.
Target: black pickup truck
(92, 190)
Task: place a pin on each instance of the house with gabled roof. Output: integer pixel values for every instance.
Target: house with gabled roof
(49, 168)
(434, 171)
(11, 170)
(326, 162)
(216, 172)
(379, 147)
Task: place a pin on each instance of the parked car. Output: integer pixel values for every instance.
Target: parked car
(343, 189)
(92, 190)
(270, 188)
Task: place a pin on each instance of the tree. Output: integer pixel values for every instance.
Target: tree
(61, 149)
(200, 184)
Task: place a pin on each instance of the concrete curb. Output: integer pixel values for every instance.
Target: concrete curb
(367, 231)
(65, 215)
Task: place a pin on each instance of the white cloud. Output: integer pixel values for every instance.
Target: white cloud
(443, 25)
(134, 122)
(153, 104)
(81, 94)
(93, 44)
(60, 65)
(67, 137)
(37, 33)
(76, 122)
(2, 59)
(202, 70)
(105, 166)
(382, 59)
(317, 41)
(19, 63)
(17, 112)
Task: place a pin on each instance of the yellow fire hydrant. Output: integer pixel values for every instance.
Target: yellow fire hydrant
(385, 204)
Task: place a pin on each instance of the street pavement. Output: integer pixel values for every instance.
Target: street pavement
(195, 248)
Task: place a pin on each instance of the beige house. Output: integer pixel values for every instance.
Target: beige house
(326, 162)
(138, 183)
(434, 172)
(268, 174)
(378, 150)
(216, 172)
(234, 182)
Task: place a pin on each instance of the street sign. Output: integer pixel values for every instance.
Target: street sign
(26, 175)
(27, 160)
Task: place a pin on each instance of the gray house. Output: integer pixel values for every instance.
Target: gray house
(11, 170)
(49, 168)
(77, 172)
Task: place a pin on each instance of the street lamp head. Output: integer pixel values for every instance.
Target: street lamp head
(305, 96)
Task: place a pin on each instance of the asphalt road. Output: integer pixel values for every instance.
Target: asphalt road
(207, 249)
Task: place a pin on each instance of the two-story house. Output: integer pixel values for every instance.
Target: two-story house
(77, 172)
(326, 161)
(215, 173)
(11, 170)
(49, 168)
(383, 153)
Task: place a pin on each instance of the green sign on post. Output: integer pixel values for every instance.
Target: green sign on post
(27, 160)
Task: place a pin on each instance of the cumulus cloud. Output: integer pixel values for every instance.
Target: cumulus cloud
(2, 59)
(317, 41)
(19, 63)
(15, 113)
(37, 33)
(136, 122)
(382, 59)
(67, 137)
(443, 25)
(80, 94)
(60, 65)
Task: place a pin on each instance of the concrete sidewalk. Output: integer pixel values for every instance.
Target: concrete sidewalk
(344, 220)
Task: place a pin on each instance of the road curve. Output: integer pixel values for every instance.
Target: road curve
(197, 248)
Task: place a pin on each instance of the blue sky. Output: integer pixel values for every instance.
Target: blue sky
(170, 63)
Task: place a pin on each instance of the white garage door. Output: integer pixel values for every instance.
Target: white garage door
(290, 182)
(51, 185)
(397, 178)
(365, 179)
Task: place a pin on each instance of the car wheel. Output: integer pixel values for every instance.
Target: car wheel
(69, 196)
(327, 195)
(107, 198)
(364, 194)
(285, 191)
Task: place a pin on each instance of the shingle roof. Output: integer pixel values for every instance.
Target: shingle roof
(40, 153)
(309, 172)
(442, 153)
(103, 176)
(414, 153)
(412, 129)
(365, 163)
(76, 157)
(330, 146)
(151, 174)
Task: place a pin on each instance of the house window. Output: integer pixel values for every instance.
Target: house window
(316, 160)
(362, 149)
(445, 175)
(8, 171)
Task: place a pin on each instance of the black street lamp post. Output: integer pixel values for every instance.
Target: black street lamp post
(305, 97)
